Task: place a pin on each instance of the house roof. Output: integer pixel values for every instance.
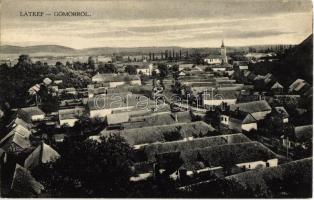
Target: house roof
(118, 118)
(259, 77)
(198, 143)
(19, 135)
(159, 118)
(252, 107)
(116, 78)
(47, 81)
(24, 185)
(215, 156)
(276, 86)
(19, 121)
(213, 57)
(304, 133)
(186, 66)
(103, 76)
(243, 117)
(152, 134)
(34, 89)
(118, 101)
(297, 85)
(27, 113)
(42, 154)
(282, 111)
(72, 113)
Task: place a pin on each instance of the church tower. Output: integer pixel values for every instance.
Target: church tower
(223, 53)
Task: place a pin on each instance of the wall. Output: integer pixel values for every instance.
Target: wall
(136, 82)
(252, 165)
(38, 117)
(217, 102)
(248, 127)
(115, 84)
(260, 115)
(224, 119)
(69, 122)
(212, 60)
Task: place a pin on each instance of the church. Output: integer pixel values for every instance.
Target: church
(218, 59)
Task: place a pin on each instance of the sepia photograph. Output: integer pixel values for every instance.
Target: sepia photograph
(156, 99)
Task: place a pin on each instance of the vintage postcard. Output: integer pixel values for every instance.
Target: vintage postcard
(156, 98)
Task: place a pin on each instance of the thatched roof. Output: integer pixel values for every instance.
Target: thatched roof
(215, 156)
(252, 107)
(152, 134)
(161, 118)
(198, 143)
(24, 185)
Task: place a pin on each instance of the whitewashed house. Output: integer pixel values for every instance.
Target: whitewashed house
(258, 109)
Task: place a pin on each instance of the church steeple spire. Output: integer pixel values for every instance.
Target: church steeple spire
(223, 52)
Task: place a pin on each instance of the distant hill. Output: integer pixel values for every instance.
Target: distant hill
(52, 50)
(297, 63)
(8, 49)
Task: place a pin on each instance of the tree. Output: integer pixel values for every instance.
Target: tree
(213, 117)
(131, 69)
(163, 72)
(89, 169)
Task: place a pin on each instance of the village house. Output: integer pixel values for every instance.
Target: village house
(244, 156)
(139, 137)
(218, 98)
(281, 113)
(239, 121)
(145, 68)
(186, 67)
(104, 106)
(24, 183)
(115, 81)
(16, 140)
(277, 88)
(299, 86)
(198, 143)
(47, 81)
(58, 82)
(213, 59)
(98, 78)
(30, 114)
(158, 118)
(68, 117)
(258, 109)
(34, 89)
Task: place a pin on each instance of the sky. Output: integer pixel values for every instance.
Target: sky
(140, 23)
